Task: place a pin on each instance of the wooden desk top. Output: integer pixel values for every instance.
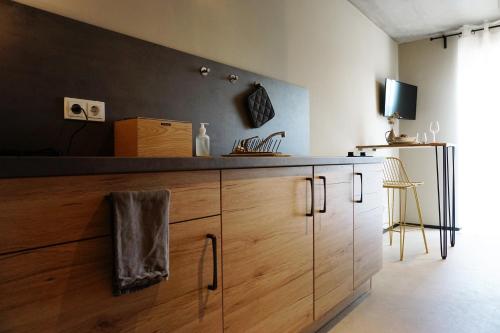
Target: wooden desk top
(407, 145)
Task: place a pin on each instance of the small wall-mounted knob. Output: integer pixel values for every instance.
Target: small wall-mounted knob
(233, 78)
(204, 71)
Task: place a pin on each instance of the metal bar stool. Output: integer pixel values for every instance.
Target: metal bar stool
(396, 179)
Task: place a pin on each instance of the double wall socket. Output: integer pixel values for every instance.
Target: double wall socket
(82, 109)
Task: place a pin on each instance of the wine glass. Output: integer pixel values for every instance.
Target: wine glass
(424, 138)
(434, 128)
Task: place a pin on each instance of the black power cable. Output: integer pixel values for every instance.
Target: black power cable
(77, 109)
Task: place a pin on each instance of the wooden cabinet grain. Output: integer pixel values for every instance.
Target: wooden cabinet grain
(333, 237)
(53, 210)
(67, 288)
(284, 262)
(267, 249)
(368, 227)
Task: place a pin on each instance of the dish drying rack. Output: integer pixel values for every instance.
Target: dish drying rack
(256, 146)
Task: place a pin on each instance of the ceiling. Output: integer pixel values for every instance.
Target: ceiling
(409, 20)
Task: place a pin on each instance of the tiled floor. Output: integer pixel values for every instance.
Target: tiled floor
(424, 294)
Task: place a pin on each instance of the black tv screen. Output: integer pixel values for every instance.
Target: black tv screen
(400, 98)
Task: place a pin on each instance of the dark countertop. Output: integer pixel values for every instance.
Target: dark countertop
(13, 167)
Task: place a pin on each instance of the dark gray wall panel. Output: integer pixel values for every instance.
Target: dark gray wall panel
(45, 57)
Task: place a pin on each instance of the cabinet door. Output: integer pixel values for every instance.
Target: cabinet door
(333, 237)
(67, 288)
(368, 221)
(267, 249)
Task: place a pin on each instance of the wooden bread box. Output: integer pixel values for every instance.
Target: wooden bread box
(146, 137)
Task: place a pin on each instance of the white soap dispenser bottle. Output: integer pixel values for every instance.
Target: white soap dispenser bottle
(202, 141)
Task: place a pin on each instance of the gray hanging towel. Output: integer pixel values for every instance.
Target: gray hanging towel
(140, 239)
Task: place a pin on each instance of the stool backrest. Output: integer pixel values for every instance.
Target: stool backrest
(394, 171)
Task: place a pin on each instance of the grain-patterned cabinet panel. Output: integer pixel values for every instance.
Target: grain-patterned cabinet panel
(368, 221)
(67, 288)
(43, 211)
(267, 249)
(333, 237)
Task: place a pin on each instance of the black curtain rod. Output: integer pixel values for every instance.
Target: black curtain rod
(445, 37)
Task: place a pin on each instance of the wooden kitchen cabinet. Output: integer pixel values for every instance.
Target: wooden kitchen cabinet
(333, 236)
(67, 288)
(368, 221)
(286, 262)
(267, 249)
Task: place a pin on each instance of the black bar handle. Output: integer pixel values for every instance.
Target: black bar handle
(323, 178)
(361, 178)
(311, 213)
(213, 286)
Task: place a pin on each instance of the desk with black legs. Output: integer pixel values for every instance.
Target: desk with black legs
(446, 198)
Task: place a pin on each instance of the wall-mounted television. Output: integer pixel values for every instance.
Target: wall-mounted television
(400, 99)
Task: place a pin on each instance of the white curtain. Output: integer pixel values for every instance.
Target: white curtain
(479, 127)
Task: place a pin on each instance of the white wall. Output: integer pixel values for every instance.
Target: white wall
(327, 46)
(434, 70)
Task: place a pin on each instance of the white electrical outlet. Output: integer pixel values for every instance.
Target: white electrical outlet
(96, 111)
(82, 109)
(71, 104)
